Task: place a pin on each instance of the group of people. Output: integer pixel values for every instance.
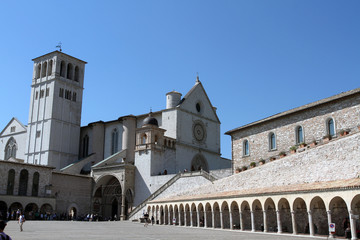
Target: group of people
(21, 219)
(147, 220)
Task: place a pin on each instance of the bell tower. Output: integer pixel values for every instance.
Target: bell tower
(55, 110)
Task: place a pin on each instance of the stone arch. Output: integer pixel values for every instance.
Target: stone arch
(319, 216)
(110, 196)
(62, 69)
(23, 182)
(182, 215)
(225, 215)
(193, 215)
(187, 215)
(44, 68)
(208, 213)
(301, 215)
(339, 214)
(246, 215)
(235, 215)
(162, 214)
(285, 215)
(13, 208)
(76, 76)
(171, 215)
(30, 211)
(69, 74)
(3, 210)
(201, 212)
(199, 163)
(216, 212)
(72, 211)
(270, 223)
(38, 70)
(258, 216)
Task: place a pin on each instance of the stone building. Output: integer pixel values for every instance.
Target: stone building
(297, 172)
(108, 168)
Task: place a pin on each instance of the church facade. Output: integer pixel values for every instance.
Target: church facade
(112, 166)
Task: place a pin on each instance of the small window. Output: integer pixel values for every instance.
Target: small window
(198, 107)
(272, 141)
(69, 71)
(74, 96)
(76, 78)
(43, 72)
(299, 135)
(246, 148)
(42, 93)
(12, 129)
(38, 134)
(62, 69)
(61, 92)
(36, 95)
(38, 71)
(50, 67)
(330, 127)
(143, 139)
(47, 92)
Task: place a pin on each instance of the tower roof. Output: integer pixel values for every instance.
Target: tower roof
(58, 52)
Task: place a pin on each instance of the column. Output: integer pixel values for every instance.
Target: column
(198, 218)
(213, 218)
(311, 224)
(231, 220)
(293, 221)
(205, 219)
(191, 219)
(265, 221)
(241, 221)
(123, 216)
(352, 225)
(252, 221)
(331, 235)
(278, 219)
(169, 218)
(221, 220)
(179, 217)
(185, 218)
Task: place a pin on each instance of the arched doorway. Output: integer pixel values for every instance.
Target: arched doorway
(271, 221)
(285, 215)
(246, 216)
(235, 213)
(301, 216)
(319, 216)
(225, 215)
(199, 163)
(208, 214)
(13, 208)
(258, 216)
(216, 212)
(30, 211)
(339, 215)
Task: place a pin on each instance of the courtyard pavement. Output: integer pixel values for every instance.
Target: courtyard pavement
(56, 230)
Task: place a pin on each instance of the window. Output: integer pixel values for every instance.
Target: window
(36, 95)
(74, 97)
(61, 92)
(10, 184)
(246, 148)
(330, 127)
(143, 139)
(23, 183)
(10, 149)
(12, 129)
(76, 74)
(85, 149)
(62, 69)
(38, 71)
(69, 71)
(42, 93)
(38, 134)
(114, 141)
(43, 71)
(272, 141)
(35, 185)
(50, 67)
(299, 135)
(47, 92)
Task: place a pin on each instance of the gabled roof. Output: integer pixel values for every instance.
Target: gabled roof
(298, 109)
(14, 119)
(59, 53)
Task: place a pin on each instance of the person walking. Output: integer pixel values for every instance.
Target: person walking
(21, 221)
(3, 236)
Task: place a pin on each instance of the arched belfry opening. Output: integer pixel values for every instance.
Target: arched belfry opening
(199, 163)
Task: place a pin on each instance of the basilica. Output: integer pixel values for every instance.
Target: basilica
(295, 172)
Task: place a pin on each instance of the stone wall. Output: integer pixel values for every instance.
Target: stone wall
(335, 160)
(344, 111)
(72, 191)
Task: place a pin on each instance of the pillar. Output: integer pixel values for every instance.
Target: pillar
(179, 219)
(352, 225)
(205, 219)
(278, 219)
(231, 220)
(252, 221)
(241, 221)
(123, 216)
(311, 224)
(185, 218)
(198, 218)
(293, 221)
(169, 218)
(265, 221)
(191, 219)
(213, 218)
(331, 235)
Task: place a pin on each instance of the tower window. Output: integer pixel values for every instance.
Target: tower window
(47, 92)
(36, 95)
(42, 93)
(61, 92)
(114, 141)
(76, 78)
(43, 71)
(62, 69)
(74, 96)
(38, 71)
(38, 133)
(69, 71)
(50, 67)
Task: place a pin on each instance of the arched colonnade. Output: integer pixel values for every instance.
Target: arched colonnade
(305, 213)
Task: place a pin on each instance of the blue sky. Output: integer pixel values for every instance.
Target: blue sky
(254, 58)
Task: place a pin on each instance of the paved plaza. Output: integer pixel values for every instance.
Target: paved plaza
(55, 230)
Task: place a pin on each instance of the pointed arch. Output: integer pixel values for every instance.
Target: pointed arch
(10, 149)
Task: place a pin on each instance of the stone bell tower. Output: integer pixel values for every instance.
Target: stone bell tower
(55, 110)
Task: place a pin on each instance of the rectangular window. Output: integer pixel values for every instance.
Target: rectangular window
(47, 92)
(74, 96)
(42, 93)
(38, 134)
(61, 92)
(12, 129)
(36, 95)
